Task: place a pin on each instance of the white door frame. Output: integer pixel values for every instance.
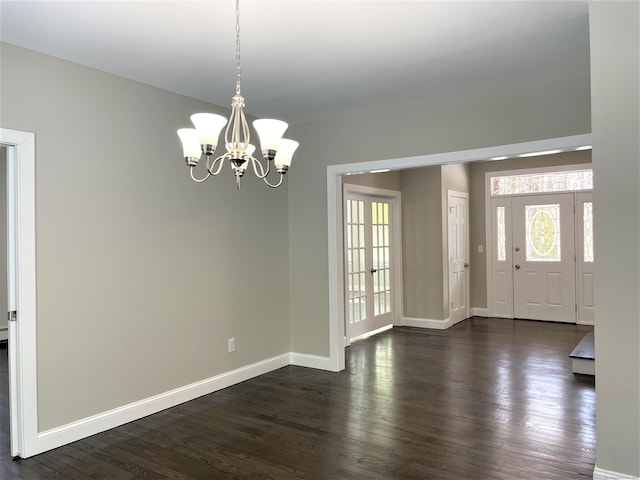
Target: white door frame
(489, 207)
(334, 213)
(22, 267)
(395, 199)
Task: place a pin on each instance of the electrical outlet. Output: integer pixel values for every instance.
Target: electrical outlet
(231, 344)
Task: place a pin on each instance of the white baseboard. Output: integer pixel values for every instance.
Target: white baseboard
(310, 361)
(601, 474)
(86, 427)
(480, 312)
(427, 323)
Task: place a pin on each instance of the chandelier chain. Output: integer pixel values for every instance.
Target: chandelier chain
(238, 66)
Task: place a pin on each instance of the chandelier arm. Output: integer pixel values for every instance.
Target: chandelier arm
(198, 180)
(274, 185)
(246, 133)
(257, 165)
(220, 160)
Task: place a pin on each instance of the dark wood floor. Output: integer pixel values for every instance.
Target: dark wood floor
(486, 399)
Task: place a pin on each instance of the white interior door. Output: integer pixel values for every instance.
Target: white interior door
(458, 254)
(584, 257)
(368, 263)
(544, 257)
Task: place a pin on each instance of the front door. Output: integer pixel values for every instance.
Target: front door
(368, 263)
(544, 257)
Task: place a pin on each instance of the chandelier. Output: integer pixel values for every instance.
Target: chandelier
(203, 139)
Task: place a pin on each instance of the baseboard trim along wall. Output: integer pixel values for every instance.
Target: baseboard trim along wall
(427, 323)
(310, 361)
(601, 474)
(56, 437)
(479, 312)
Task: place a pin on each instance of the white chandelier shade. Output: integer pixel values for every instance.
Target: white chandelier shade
(202, 140)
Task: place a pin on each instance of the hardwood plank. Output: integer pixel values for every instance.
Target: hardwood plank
(485, 399)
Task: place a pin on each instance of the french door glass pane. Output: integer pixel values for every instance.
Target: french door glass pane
(357, 299)
(381, 252)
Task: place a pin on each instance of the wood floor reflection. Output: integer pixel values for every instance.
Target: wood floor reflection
(486, 399)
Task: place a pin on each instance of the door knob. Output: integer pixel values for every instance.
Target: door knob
(466, 265)
(374, 270)
(517, 267)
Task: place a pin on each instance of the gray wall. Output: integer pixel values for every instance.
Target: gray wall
(478, 271)
(386, 180)
(556, 106)
(422, 242)
(615, 77)
(142, 275)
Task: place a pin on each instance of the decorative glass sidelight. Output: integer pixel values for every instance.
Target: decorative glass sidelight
(587, 221)
(542, 233)
(501, 227)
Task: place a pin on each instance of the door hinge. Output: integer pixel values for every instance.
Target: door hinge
(12, 316)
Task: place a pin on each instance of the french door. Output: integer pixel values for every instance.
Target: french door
(544, 257)
(368, 242)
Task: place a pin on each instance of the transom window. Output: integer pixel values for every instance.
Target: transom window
(544, 182)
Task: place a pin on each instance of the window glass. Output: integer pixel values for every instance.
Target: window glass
(587, 221)
(542, 182)
(543, 233)
(501, 234)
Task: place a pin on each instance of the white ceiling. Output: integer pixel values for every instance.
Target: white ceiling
(309, 59)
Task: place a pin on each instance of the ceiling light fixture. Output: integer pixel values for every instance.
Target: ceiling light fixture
(203, 139)
(537, 154)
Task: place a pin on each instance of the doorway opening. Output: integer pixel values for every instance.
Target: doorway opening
(372, 259)
(5, 444)
(21, 286)
(334, 213)
(540, 244)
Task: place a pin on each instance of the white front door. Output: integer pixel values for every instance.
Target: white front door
(368, 263)
(544, 257)
(458, 255)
